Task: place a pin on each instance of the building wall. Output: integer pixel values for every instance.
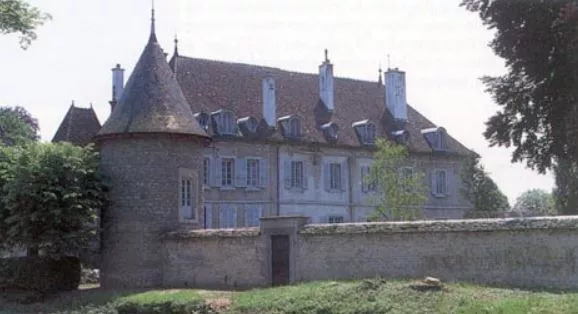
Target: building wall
(145, 176)
(531, 252)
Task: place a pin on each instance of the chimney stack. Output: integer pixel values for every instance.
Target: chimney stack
(326, 83)
(117, 85)
(395, 95)
(269, 105)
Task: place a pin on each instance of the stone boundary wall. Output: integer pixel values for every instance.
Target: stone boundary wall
(526, 252)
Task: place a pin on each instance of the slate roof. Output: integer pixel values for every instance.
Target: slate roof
(78, 127)
(210, 85)
(152, 101)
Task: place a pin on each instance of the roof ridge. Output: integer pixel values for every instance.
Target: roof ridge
(271, 68)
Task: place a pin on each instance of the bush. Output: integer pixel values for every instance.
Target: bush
(184, 302)
(40, 274)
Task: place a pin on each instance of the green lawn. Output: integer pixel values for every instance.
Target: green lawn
(366, 296)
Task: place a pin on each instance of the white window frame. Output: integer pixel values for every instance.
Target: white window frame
(224, 182)
(226, 210)
(335, 179)
(440, 189)
(297, 174)
(188, 196)
(253, 169)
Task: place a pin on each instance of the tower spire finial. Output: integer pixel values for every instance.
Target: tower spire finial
(379, 79)
(153, 36)
(176, 45)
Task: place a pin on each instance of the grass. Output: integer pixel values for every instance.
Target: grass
(364, 296)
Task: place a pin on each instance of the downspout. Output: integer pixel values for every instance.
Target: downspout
(277, 185)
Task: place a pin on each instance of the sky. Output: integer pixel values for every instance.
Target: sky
(442, 48)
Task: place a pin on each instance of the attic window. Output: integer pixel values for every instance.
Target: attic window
(248, 126)
(330, 130)
(291, 126)
(365, 132)
(202, 119)
(400, 137)
(224, 122)
(436, 138)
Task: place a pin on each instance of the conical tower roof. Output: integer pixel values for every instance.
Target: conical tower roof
(153, 101)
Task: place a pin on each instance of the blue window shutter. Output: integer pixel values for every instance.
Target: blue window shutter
(218, 171)
(344, 176)
(287, 173)
(433, 181)
(263, 172)
(212, 170)
(208, 216)
(305, 175)
(451, 181)
(326, 176)
(240, 172)
(363, 172)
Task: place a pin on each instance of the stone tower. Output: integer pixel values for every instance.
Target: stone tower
(151, 150)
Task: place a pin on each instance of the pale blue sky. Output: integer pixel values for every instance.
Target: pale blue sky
(442, 48)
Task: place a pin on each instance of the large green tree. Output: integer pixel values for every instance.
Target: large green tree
(535, 202)
(566, 191)
(481, 191)
(18, 16)
(538, 95)
(17, 126)
(50, 197)
(400, 189)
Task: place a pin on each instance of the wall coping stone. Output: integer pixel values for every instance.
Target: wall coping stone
(462, 225)
(212, 233)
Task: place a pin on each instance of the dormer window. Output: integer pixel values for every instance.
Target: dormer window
(330, 130)
(203, 120)
(291, 127)
(224, 122)
(436, 138)
(366, 132)
(248, 126)
(401, 137)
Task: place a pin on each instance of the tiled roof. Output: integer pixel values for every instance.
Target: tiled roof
(152, 101)
(78, 127)
(212, 85)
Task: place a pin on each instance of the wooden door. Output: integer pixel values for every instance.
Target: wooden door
(280, 251)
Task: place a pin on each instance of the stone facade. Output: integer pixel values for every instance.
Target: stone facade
(530, 252)
(144, 174)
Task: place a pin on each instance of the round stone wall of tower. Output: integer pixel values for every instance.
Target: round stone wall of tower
(151, 152)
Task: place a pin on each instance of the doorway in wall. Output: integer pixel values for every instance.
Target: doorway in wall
(280, 251)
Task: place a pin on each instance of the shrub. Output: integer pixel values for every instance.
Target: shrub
(40, 274)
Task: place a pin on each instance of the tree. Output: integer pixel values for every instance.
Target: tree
(17, 126)
(17, 16)
(565, 192)
(535, 202)
(400, 194)
(50, 197)
(538, 95)
(481, 191)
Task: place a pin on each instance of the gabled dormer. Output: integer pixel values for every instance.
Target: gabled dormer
(330, 130)
(224, 123)
(436, 138)
(400, 137)
(290, 127)
(365, 131)
(248, 126)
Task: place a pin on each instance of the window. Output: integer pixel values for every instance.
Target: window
(253, 172)
(225, 122)
(252, 216)
(366, 184)
(369, 136)
(206, 170)
(294, 128)
(440, 182)
(296, 174)
(227, 171)
(228, 217)
(186, 198)
(335, 176)
(336, 219)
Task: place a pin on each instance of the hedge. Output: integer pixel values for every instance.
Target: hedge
(40, 274)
